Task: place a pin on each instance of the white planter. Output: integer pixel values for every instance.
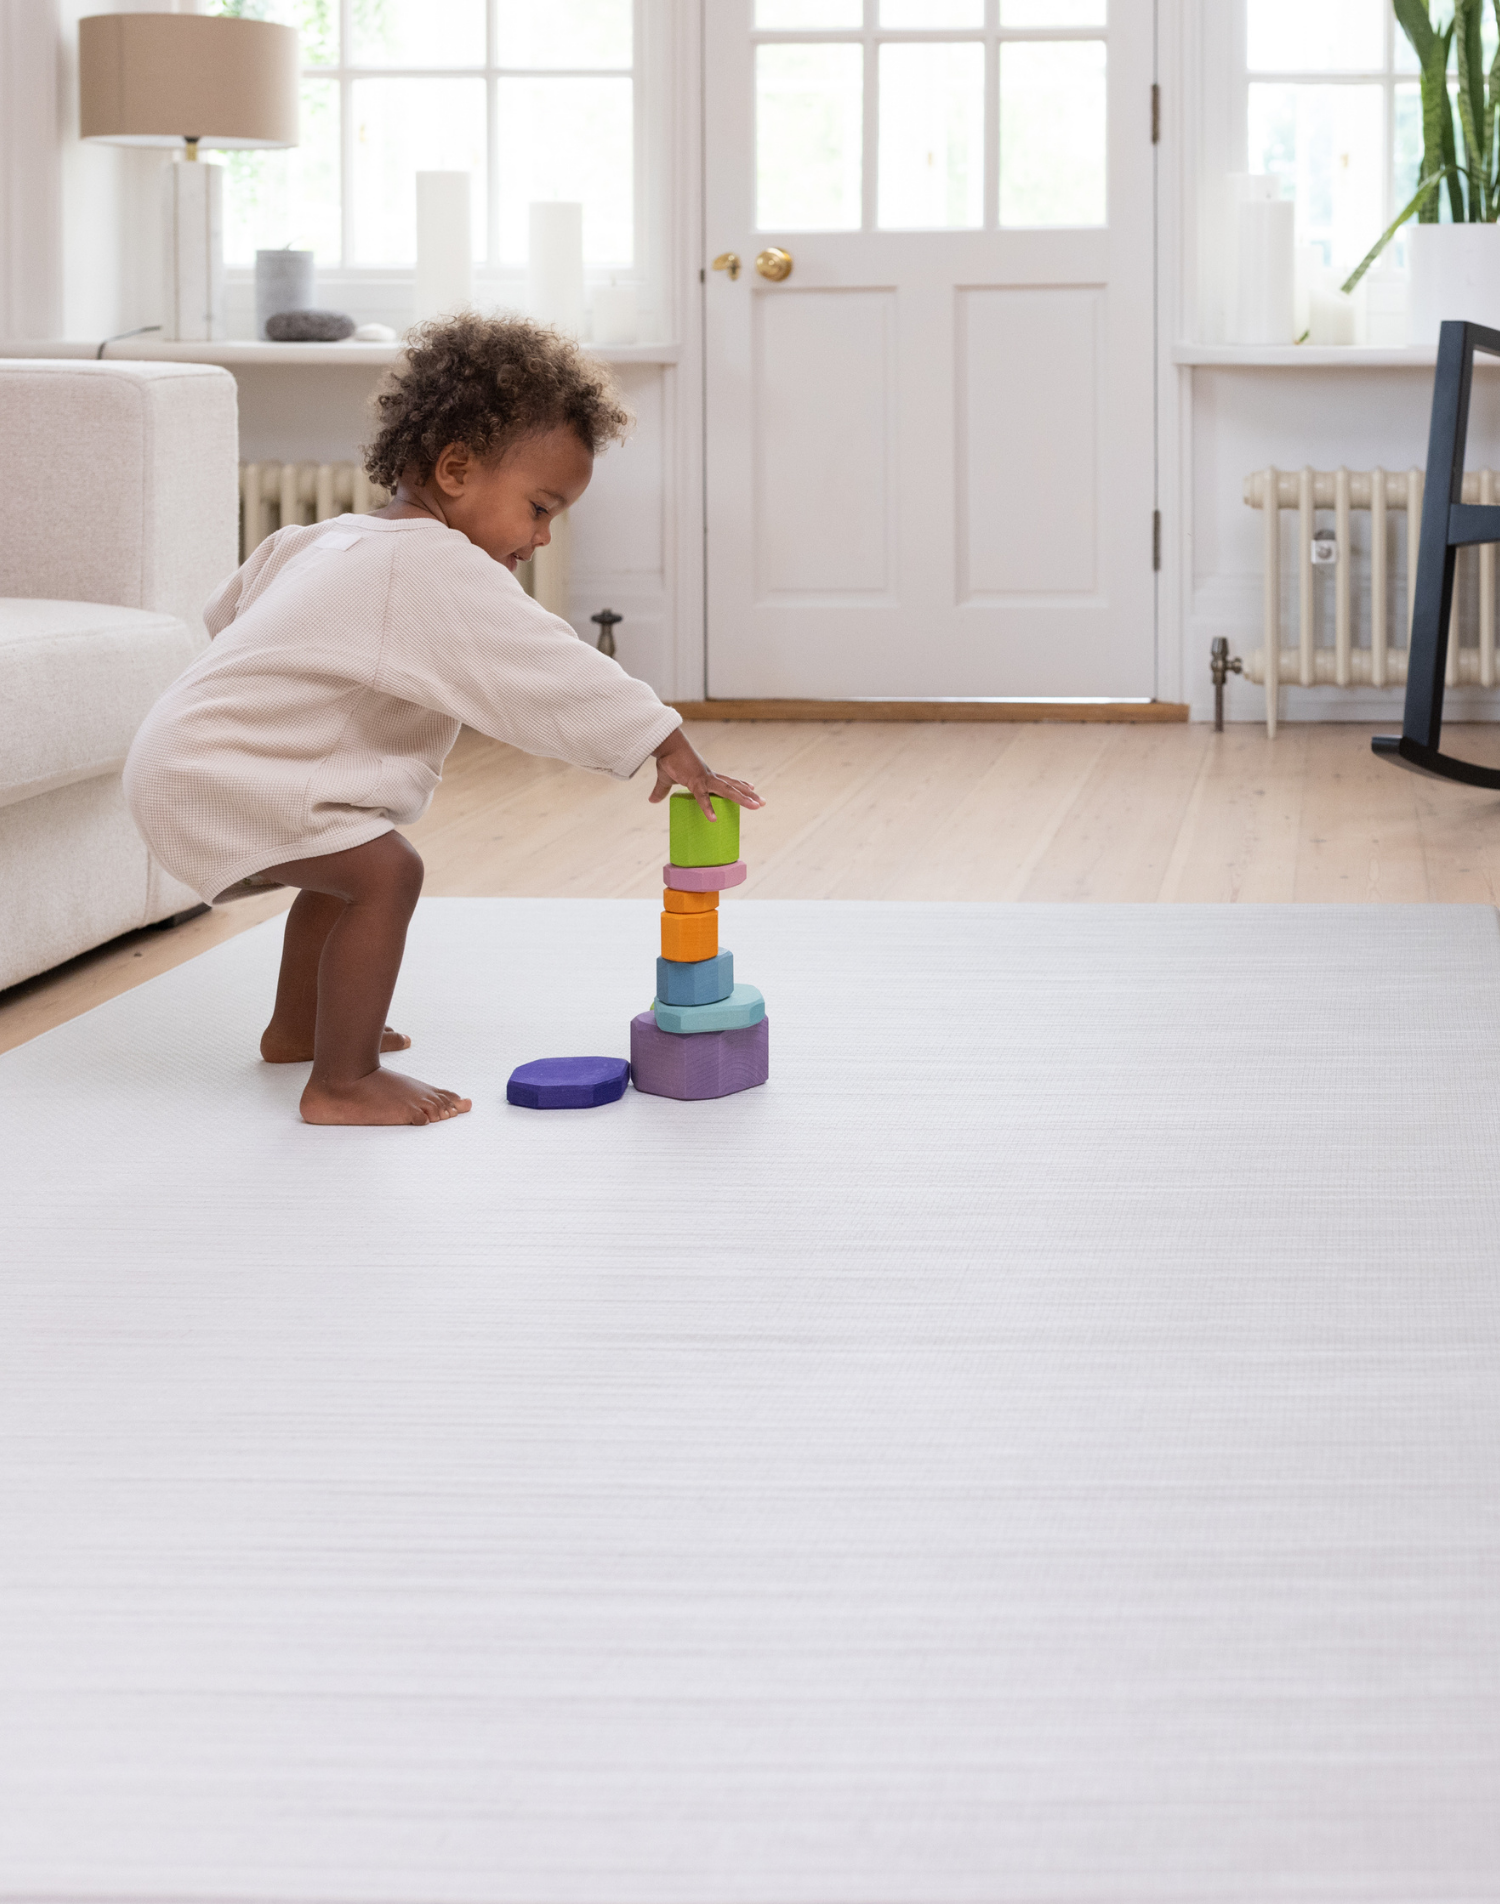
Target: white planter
(1455, 273)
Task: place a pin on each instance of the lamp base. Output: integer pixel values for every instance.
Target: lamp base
(193, 252)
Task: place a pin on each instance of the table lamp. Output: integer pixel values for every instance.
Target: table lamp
(188, 79)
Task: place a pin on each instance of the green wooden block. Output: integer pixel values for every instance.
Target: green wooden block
(697, 841)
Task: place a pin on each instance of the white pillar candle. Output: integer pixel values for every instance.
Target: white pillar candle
(1332, 317)
(445, 245)
(284, 281)
(554, 265)
(1264, 306)
(615, 318)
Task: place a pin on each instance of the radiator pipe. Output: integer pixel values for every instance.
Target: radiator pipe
(1221, 666)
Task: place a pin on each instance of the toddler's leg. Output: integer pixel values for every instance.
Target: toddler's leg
(288, 1039)
(377, 886)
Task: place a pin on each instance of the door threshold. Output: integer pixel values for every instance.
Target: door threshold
(978, 709)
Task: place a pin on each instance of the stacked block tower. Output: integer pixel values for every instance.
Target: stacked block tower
(704, 1036)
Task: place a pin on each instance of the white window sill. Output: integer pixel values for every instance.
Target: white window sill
(1313, 356)
(231, 355)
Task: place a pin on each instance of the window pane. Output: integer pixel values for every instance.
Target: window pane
(931, 136)
(572, 139)
(931, 13)
(1408, 153)
(1325, 144)
(316, 21)
(1052, 13)
(809, 127)
(564, 33)
(1315, 36)
(287, 198)
(418, 33)
(1052, 133)
(802, 14)
(402, 127)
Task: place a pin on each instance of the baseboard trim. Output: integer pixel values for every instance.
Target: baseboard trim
(1131, 711)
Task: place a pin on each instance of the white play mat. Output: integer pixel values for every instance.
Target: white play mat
(1044, 1445)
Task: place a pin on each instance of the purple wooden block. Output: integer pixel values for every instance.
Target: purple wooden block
(711, 1064)
(567, 1084)
(703, 878)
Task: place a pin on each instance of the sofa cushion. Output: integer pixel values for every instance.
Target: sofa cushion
(76, 681)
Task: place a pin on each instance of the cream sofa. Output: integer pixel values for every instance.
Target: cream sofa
(121, 518)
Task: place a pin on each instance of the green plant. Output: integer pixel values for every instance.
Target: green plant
(1473, 186)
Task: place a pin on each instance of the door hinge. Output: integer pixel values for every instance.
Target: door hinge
(1155, 115)
(702, 275)
(1156, 539)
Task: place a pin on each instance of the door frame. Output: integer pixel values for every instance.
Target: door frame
(1173, 68)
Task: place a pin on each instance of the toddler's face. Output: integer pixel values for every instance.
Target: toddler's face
(506, 507)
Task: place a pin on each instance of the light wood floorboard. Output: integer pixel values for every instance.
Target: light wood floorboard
(924, 810)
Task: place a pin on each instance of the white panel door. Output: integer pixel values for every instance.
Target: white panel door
(930, 446)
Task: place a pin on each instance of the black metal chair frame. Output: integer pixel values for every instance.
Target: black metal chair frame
(1448, 524)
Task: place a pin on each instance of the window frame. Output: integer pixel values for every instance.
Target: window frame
(1387, 76)
(344, 74)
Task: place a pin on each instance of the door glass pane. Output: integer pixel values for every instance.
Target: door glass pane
(418, 33)
(1315, 36)
(1324, 142)
(564, 33)
(1052, 132)
(401, 127)
(287, 198)
(809, 129)
(1053, 13)
(803, 14)
(931, 136)
(573, 139)
(931, 13)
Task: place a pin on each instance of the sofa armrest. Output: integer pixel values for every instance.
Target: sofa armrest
(132, 488)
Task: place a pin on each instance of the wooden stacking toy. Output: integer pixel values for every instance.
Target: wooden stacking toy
(704, 1036)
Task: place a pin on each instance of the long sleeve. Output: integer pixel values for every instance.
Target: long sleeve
(462, 637)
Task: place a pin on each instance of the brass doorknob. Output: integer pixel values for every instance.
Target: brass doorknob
(728, 261)
(774, 263)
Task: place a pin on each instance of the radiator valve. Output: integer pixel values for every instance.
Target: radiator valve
(1222, 664)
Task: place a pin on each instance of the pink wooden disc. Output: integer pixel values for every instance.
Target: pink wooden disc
(703, 878)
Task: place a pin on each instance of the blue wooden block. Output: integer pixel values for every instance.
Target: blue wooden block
(743, 1007)
(567, 1084)
(699, 982)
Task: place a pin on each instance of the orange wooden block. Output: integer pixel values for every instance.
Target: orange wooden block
(690, 902)
(687, 937)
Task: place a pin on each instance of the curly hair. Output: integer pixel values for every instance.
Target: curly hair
(486, 382)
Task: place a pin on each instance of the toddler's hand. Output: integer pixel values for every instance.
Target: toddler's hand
(678, 765)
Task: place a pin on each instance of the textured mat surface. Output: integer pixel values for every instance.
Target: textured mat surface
(1044, 1445)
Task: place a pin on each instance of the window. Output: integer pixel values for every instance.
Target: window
(1333, 108)
(929, 115)
(534, 98)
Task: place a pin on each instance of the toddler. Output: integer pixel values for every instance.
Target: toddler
(347, 654)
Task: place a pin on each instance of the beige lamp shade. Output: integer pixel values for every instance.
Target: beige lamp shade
(160, 78)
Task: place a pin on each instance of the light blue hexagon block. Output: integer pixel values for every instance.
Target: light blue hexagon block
(695, 981)
(743, 1007)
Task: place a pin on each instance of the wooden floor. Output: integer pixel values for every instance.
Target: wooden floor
(931, 811)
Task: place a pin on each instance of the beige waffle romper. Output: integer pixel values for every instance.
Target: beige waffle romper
(346, 655)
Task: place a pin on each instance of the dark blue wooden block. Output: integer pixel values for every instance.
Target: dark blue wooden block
(701, 982)
(567, 1084)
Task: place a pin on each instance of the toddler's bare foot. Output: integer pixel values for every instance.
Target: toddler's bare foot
(381, 1097)
(277, 1047)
